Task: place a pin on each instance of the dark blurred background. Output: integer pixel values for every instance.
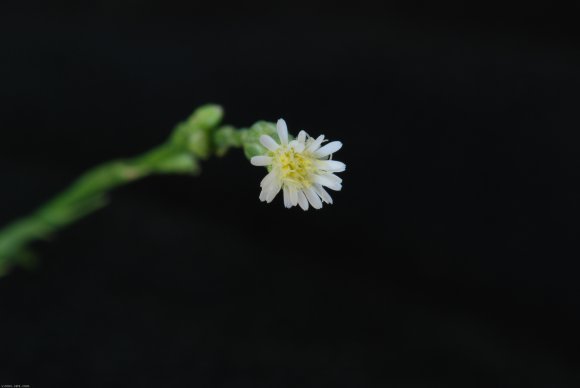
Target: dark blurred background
(450, 258)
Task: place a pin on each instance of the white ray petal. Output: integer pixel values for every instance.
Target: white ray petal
(273, 191)
(282, 129)
(328, 149)
(287, 202)
(323, 193)
(263, 194)
(313, 198)
(298, 147)
(302, 137)
(302, 201)
(331, 165)
(269, 143)
(325, 180)
(268, 179)
(313, 146)
(293, 196)
(334, 178)
(261, 160)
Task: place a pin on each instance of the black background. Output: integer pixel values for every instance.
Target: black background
(450, 258)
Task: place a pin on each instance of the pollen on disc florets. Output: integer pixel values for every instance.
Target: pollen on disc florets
(300, 168)
(293, 167)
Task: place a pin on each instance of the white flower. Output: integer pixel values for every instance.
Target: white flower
(300, 168)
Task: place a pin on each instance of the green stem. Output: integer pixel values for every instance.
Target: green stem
(86, 195)
(190, 141)
(199, 137)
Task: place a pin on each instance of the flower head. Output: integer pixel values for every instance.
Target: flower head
(301, 168)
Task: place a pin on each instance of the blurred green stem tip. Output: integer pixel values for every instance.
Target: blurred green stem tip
(201, 136)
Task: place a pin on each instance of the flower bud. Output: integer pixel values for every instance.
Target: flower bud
(194, 134)
(251, 138)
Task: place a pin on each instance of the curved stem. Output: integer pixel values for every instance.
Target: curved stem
(196, 138)
(191, 140)
(86, 195)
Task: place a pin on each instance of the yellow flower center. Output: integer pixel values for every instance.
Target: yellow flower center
(293, 167)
